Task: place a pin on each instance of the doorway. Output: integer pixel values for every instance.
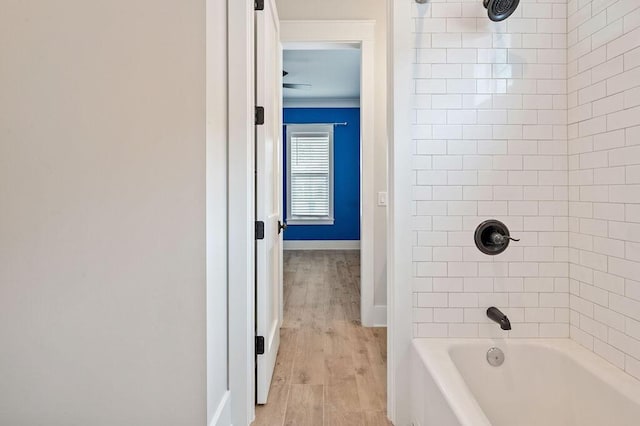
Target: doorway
(329, 369)
(242, 212)
(321, 134)
(346, 37)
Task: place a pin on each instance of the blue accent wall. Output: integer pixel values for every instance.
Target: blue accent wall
(346, 157)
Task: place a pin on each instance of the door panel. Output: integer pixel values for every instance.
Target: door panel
(268, 194)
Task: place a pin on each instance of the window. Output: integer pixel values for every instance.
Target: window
(309, 174)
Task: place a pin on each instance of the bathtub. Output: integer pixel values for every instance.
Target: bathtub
(542, 382)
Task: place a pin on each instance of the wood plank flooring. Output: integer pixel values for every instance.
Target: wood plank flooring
(330, 370)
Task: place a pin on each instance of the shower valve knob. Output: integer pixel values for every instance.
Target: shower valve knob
(492, 237)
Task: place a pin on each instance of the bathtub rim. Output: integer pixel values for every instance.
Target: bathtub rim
(435, 354)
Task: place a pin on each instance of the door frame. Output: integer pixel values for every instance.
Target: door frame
(361, 32)
(240, 20)
(400, 59)
(241, 202)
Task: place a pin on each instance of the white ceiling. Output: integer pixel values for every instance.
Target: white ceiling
(333, 74)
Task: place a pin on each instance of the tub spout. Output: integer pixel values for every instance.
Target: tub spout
(496, 315)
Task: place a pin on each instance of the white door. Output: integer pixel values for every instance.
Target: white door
(268, 194)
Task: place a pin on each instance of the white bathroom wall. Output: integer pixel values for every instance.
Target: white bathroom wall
(490, 141)
(604, 178)
(102, 213)
(375, 10)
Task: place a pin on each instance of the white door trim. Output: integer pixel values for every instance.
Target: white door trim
(241, 232)
(362, 33)
(399, 235)
(222, 415)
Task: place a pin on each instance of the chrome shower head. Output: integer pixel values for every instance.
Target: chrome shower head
(499, 10)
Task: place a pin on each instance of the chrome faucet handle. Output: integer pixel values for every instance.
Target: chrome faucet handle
(498, 238)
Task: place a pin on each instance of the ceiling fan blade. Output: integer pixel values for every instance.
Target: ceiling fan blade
(296, 86)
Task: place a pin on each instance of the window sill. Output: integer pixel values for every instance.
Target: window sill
(307, 222)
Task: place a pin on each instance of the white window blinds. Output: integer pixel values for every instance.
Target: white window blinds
(310, 174)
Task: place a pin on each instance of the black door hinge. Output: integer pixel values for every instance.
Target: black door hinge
(259, 115)
(258, 4)
(259, 230)
(259, 345)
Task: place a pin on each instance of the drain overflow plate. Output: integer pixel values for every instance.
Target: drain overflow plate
(495, 357)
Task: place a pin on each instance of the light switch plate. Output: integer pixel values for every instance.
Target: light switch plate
(382, 198)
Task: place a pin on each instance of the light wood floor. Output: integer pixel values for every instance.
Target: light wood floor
(329, 370)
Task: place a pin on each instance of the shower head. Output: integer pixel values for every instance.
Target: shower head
(499, 10)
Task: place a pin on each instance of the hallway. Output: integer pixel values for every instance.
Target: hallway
(329, 370)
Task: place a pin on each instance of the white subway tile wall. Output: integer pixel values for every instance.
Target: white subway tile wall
(534, 121)
(604, 173)
(490, 141)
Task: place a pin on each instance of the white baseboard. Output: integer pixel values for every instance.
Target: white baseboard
(380, 315)
(322, 245)
(222, 416)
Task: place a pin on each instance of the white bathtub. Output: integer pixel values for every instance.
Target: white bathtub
(543, 382)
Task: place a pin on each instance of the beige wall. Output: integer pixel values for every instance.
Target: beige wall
(361, 10)
(102, 217)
